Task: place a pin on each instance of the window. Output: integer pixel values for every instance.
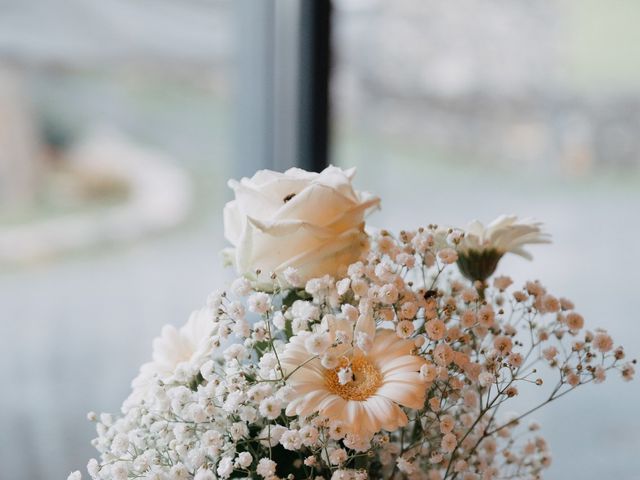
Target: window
(459, 110)
(121, 121)
(116, 140)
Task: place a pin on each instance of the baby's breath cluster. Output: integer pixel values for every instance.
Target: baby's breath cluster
(400, 368)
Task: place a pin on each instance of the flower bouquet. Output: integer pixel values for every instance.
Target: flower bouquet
(341, 353)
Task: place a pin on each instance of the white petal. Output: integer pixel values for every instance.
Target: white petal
(408, 395)
(233, 222)
(405, 363)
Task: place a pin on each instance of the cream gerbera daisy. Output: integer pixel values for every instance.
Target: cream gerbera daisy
(482, 247)
(174, 348)
(368, 398)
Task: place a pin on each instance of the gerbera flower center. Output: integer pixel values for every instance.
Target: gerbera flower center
(365, 381)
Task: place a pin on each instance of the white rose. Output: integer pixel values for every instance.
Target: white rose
(313, 222)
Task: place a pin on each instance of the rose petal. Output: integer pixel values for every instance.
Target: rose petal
(233, 222)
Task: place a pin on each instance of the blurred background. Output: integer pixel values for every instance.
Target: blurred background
(121, 121)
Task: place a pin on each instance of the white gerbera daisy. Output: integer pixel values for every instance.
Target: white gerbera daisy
(505, 234)
(174, 348)
(382, 380)
(482, 247)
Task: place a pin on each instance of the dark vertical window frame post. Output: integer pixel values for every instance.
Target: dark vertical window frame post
(253, 85)
(314, 77)
(282, 85)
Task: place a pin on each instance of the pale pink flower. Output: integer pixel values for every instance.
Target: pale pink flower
(446, 423)
(405, 329)
(469, 295)
(486, 316)
(534, 288)
(468, 319)
(259, 302)
(566, 304)
(449, 442)
(512, 391)
(454, 333)
(577, 346)
(408, 310)
(515, 359)
(486, 378)
(266, 468)
(448, 255)
(388, 294)
(460, 466)
(429, 259)
(628, 372)
(405, 466)
(460, 358)
(428, 372)
(510, 330)
(574, 321)
(434, 404)
(359, 287)
(490, 445)
(472, 371)
(467, 420)
(503, 344)
(603, 342)
(443, 354)
(470, 398)
(529, 448)
(435, 329)
(549, 304)
(550, 353)
(386, 244)
(338, 456)
(599, 374)
(502, 282)
(519, 296)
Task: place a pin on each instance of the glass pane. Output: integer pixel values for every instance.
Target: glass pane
(114, 152)
(460, 110)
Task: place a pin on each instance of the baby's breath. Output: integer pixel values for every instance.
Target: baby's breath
(223, 395)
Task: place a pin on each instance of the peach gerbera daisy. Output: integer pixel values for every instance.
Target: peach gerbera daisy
(379, 382)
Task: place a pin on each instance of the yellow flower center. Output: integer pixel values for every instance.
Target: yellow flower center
(365, 381)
